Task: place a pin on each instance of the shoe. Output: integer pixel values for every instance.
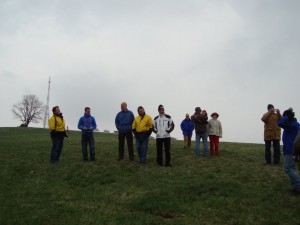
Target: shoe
(119, 159)
(168, 165)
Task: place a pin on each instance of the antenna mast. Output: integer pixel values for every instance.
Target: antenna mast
(47, 106)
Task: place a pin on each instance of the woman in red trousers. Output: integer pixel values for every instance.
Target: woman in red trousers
(215, 133)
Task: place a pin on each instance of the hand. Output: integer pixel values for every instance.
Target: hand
(84, 128)
(91, 128)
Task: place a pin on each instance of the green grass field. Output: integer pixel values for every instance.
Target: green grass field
(236, 188)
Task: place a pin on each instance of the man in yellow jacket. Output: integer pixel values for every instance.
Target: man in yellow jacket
(57, 132)
(142, 129)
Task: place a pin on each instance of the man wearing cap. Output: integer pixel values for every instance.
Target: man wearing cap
(272, 133)
(200, 122)
(163, 125)
(187, 127)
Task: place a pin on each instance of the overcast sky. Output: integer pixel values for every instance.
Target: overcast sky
(229, 56)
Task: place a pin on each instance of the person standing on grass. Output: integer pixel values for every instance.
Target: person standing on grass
(200, 122)
(123, 122)
(87, 124)
(215, 133)
(163, 125)
(58, 133)
(187, 126)
(290, 130)
(272, 133)
(142, 129)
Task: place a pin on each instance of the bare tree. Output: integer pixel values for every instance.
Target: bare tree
(30, 109)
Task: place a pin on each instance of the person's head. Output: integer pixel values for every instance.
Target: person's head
(187, 116)
(289, 113)
(123, 106)
(161, 109)
(270, 107)
(214, 115)
(56, 110)
(141, 111)
(198, 110)
(87, 110)
(203, 112)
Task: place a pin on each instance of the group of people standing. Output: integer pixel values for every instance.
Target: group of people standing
(274, 121)
(204, 129)
(141, 127)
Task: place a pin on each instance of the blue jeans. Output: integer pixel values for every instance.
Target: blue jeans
(142, 149)
(88, 140)
(205, 147)
(289, 168)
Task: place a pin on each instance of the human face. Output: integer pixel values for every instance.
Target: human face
(57, 111)
(161, 111)
(141, 112)
(123, 106)
(88, 111)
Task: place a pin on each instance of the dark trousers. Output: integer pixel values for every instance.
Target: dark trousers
(85, 141)
(129, 138)
(276, 148)
(57, 146)
(166, 142)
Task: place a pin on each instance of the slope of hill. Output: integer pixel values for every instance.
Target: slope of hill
(235, 188)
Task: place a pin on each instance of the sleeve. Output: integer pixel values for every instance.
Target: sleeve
(181, 125)
(154, 126)
(51, 123)
(117, 121)
(94, 123)
(266, 117)
(171, 127)
(282, 122)
(221, 130)
(79, 126)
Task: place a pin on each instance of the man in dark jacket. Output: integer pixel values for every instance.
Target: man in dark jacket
(123, 121)
(87, 124)
(200, 122)
(290, 130)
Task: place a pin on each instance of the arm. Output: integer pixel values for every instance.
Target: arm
(221, 131)
(94, 124)
(79, 126)
(171, 127)
(266, 117)
(51, 123)
(283, 122)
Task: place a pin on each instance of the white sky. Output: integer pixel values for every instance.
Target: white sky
(229, 56)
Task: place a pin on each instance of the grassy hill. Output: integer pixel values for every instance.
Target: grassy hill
(236, 188)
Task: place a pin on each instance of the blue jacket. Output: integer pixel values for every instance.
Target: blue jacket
(89, 122)
(123, 121)
(187, 127)
(290, 131)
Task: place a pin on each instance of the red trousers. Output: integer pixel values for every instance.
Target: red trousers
(214, 145)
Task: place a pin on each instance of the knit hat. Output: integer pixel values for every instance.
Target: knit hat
(160, 107)
(197, 109)
(270, 106)
(214, 114)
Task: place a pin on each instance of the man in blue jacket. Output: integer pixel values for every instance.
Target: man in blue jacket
(291, 127)
(87, 124)
(187, 126)
(123, 121)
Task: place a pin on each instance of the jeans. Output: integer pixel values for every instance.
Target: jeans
(129, 138)
(159, 147)
(142, 148)
(88, 140)
(276, 148)
(57, 146)
(205, 147)
(289, 168)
